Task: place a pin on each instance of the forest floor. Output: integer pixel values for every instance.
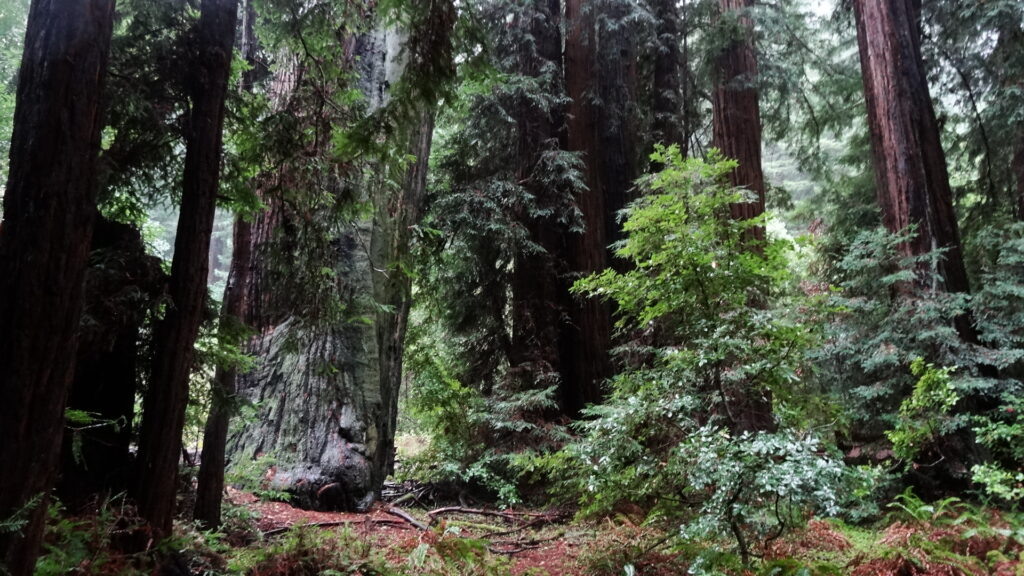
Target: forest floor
(482, 541)
(269, 538)
(532, 542)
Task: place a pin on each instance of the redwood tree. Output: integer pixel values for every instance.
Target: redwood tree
(599, 78)
(737, 115)
(175, 335)
(910, 166)
(49, 207)
(737, 133)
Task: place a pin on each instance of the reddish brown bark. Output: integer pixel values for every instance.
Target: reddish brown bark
(49, 207)
(175, 335)
(910, 165)
(599, 77)
(210, 487)
(737, 115)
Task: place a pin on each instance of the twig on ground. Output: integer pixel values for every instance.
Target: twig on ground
(405, 516)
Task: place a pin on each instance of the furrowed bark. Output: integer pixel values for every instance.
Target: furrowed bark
(49, 207)
(737, 115)
(539, 293)
(175, 335)
(600, 85)
(910, 165)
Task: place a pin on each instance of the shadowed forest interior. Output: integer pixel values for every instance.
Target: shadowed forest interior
(509, 287)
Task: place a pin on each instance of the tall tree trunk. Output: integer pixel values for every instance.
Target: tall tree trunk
(737, 133)
(910, 166)
(668, 126)
(913, 184)
(737, 115)
(49, 207)
(539, 297)
(175, 335)
(599, 77)
(210, 487)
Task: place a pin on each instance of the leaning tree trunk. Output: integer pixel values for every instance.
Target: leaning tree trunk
(737, 133)
(910, 165)
(913, 185)
(175, 335)
(49, 207)
(328, 395)
(210, 482)
(123, 284)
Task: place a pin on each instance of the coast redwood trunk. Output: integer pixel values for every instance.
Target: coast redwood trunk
(539, 298)
(737, 114)
(49, 207)
(910, 166)
(737, 133)
(599, 78)
(175, 335)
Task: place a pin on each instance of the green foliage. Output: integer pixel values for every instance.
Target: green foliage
(1002, 434)
(253, 476)
(923, 413)
(662, 438)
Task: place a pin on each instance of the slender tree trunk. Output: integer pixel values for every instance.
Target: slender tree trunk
(49, 208)
(668, 98)
(910, 166)
(175, 335)
(737, 115)
(210, 487)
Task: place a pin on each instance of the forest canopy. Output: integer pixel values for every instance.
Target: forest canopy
(688, 286)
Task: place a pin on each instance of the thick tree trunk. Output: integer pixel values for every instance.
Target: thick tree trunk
(539, 294)
(210, 483)
(49, 207)
(668, 126)
(737, 115)
(912, 182)
(910, 166)
(175, 335)
(599, 80)
(329, 395)
(737, 133)
(122, 285)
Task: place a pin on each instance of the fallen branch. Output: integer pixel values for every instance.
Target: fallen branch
(463, 510)
(405, 516)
